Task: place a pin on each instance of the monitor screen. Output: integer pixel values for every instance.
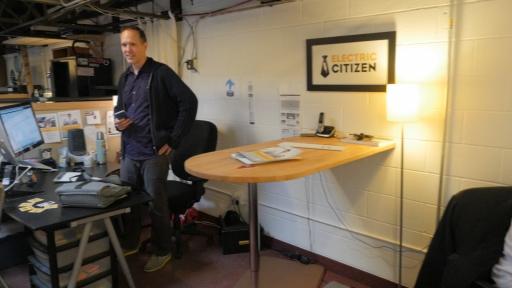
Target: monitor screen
(20, 126)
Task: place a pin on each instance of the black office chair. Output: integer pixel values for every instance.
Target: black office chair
(181, 195)
(469, 239)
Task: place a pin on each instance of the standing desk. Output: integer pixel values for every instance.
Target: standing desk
(220, 166)
(61, 217)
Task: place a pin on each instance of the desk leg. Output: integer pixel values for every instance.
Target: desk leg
(119, 252)
(273, 271)
(81, 250)
(253, 227)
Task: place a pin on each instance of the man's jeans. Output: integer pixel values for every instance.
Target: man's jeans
(151, 175)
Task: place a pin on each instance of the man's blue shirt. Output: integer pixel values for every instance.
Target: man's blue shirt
(138, 140)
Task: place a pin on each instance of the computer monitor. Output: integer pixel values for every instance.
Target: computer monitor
(20, 128)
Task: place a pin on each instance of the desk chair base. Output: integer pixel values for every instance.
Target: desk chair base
(178, 232)
(277, 272)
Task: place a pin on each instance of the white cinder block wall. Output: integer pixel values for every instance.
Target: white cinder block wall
(348, 212)
(480, 136)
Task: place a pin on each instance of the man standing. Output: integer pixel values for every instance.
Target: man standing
(159, 111)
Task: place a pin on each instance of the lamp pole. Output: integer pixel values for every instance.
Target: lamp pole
(402, 104)
(401, 217)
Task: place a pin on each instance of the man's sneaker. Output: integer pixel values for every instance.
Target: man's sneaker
(156, 262)
(131, 251)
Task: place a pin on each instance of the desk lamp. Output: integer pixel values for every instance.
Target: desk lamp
(402, 107)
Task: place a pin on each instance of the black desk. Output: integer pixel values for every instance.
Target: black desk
(60, 217)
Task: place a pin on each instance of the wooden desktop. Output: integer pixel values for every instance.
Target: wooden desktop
(220, 166)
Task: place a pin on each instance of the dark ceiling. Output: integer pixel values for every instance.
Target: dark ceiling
(58, 18)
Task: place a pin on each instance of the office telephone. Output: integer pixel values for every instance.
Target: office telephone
(324, 130)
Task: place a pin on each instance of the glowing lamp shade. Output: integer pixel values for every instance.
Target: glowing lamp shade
(402, 102)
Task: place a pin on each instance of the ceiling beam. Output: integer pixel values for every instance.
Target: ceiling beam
(3, 7)
(48, 2)
(9, 20)
(44, 18)
(31, 9)
(90, 12)
(14, 15)
(85, 27)
(137, 14)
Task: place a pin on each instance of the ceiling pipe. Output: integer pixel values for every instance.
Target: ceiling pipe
(44, 18)
(48, 2)
(119, 12)
(70, 3)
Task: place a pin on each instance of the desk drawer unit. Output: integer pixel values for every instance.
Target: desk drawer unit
(68, 235)
(67, 257)
(105, 282)
(55, 252)
(88, 272)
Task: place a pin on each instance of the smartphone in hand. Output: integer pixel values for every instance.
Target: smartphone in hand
(121, 114)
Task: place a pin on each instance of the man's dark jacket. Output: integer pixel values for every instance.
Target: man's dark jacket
(469, 239)
(173, 106)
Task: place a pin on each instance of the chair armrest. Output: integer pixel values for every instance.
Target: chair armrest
(197, 180)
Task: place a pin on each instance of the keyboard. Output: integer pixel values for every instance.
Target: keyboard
(311, 146)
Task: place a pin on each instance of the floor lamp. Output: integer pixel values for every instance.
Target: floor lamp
(402, 103)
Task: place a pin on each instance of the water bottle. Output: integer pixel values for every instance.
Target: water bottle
(63, 157)
(101, 156)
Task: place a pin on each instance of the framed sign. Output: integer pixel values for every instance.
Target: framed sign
(363, 62)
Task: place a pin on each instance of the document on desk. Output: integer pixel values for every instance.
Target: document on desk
(67, 177)
(267, 155)
(370, 142)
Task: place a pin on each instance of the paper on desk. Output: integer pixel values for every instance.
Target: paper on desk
(373, 142)
(266, 155)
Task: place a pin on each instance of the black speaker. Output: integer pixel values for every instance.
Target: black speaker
(76, 142)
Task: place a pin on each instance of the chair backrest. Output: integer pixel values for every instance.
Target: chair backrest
(202, 138)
